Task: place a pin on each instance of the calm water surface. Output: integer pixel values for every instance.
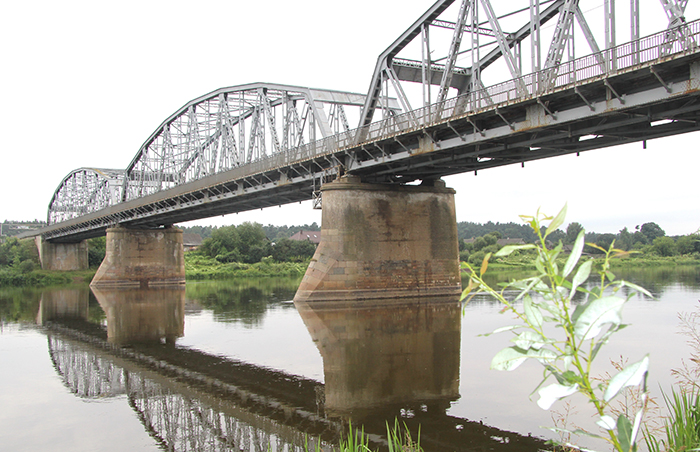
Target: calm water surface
(235, 365)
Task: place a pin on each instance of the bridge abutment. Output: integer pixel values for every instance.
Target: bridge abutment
(142, 257)
(381, 242)
(62, 256)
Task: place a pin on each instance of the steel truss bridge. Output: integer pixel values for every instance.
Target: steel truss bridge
(471, 85)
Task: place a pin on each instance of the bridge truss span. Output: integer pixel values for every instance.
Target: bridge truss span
(492, 87)
(84, 191)
(236, 126)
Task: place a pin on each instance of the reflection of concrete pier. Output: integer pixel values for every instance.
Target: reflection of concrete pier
(380, 355)
(63, 304)
(135, 315)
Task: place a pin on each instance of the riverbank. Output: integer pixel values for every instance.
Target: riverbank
(10, 277)
(198, 267)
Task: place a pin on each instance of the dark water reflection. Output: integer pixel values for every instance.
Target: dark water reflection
(235, 365)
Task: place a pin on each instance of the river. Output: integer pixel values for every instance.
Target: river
(235, 365)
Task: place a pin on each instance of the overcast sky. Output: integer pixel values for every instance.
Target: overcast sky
(84, 83)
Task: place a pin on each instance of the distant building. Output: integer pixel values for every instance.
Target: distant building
(191, 241)
(311, 236)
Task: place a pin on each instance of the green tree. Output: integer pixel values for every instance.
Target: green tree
(572, 231)
(14, 251)
(286, 250)
(664, 246)
(652, 231)
(624, 240)
(686, 244)
(96, 251)
(244, 243)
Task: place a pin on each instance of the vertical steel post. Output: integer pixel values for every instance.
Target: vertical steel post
(609, 6)
(634, 35)
(535, 42)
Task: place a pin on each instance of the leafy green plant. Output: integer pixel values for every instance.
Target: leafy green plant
(566, 337)
(683, 426)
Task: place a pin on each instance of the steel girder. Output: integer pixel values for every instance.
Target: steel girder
(486, 48)
(83, 191)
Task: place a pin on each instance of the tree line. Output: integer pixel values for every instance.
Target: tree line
(647, 239)
(249, 243)
(272, 232)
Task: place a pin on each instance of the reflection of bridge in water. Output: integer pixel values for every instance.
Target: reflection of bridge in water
(189, 400)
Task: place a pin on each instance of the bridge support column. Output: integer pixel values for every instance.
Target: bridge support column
(382, 242)
(62, 256)
(142, 257)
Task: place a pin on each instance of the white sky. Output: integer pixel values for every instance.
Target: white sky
(84, 83)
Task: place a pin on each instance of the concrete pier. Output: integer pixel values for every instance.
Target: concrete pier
(62, 256)
(142, 257)
(384, 242)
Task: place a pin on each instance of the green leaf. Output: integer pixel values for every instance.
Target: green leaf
(582, 274)
(539, 266)
(624, 432)
(502, 329)
(508, 249)
(554, 392)
(512, 357)
(529, 339)
(606, 422)
(532, 313)
(532, 282)
(631, 375)
(637, 288)
(508, 359)
(484, 264)
(557, 221)
(575, 254)
(597, 314)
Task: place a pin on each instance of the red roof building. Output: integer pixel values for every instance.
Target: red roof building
(311, 236)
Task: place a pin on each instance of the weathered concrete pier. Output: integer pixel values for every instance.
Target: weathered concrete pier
(62, 256)
(384, 242)
(142, 257)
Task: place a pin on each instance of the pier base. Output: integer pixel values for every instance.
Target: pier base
(142, 257)
(382, 242)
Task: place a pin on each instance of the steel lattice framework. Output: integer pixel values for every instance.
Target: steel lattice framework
(232, 127)
(472, 84)
(84, 191)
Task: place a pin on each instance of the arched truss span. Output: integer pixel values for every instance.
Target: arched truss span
(83, 191)
(235, 126)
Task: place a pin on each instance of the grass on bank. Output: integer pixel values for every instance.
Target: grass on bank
(398, 440)
(524, 260)
(198, 267)
(10, 277)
